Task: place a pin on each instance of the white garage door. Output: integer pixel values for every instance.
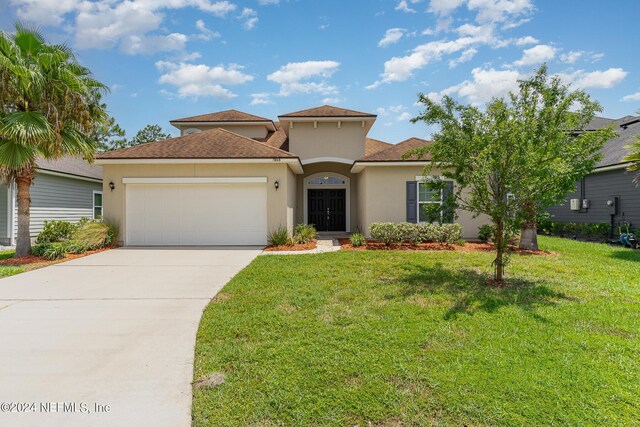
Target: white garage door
(196, 214)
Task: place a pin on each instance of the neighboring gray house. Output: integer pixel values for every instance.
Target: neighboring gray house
(65, 189)
(608, 194)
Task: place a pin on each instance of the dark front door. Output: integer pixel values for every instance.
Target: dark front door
(327, 209)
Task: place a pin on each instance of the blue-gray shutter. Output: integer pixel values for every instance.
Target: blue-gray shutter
(447, 193)
(412, 201)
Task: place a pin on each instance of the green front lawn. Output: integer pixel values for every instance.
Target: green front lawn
(415, 338)
(9, 270)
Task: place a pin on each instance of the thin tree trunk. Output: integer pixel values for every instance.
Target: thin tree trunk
(528, 229)
(23, 243)
(499, 261)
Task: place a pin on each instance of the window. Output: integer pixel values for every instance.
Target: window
(326, 180)
(97, 204)
(427, 196)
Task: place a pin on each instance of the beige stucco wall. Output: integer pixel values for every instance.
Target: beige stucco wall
(250, 131)
(328, 168)
(327, 140)
(280, 203)
(383, 198)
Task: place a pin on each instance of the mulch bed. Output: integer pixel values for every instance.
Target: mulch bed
(296, 247)
(32, 259)
(345, 244)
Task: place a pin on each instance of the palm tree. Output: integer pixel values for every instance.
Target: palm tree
(49, 104)
(634, 157)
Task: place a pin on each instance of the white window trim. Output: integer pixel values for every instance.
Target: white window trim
(422, 179)
(93, 204)
(346, 186)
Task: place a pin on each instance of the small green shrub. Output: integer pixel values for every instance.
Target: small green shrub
(357, 239)
(279, 237)
(486, 233)
(39, 248)
(573, 230)
(93, 235)
(55, 231)
(391, 232)
(385, 232)
(74, 247)
(57, 250)
(304, 233)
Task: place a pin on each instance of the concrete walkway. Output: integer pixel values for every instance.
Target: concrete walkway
(111, 334)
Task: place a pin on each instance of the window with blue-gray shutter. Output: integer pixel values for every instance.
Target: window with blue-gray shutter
(412, 201)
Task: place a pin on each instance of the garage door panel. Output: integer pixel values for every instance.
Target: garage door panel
(196, 214)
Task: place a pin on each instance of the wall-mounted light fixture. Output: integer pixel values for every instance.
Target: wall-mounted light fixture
(276, 185)
(112, 186)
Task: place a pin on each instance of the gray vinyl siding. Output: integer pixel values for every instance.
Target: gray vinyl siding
(59, 198)
(597, 188)
(4, 218)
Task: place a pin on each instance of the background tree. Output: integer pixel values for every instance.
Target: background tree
(515, 158)
(634, 157)
(549, 120)
(109, 135)
(49, 104)
(149, 133)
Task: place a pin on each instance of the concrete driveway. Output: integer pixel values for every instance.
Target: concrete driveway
(108, 339)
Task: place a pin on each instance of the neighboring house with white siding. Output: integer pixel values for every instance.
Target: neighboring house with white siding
(64, 189)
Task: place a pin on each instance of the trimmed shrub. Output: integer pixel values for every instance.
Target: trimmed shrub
(55, 231)
(391, 232)
(304, 233)
(573, 230)
(76, 247)
(279, 236)
(357, 239)
(385, 232)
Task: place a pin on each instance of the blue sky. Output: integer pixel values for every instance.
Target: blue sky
(165, 59)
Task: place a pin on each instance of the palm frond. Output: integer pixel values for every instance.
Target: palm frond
(25, 128)
(16, 157)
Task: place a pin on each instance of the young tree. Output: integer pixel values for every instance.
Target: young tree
(48, 106)
(550, 119)
(149, 133)
(516, 157)
(634, 157)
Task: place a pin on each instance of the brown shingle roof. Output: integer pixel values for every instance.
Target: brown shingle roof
(327, 111)
(209, 144)
(72, 166)
(223, 116)
(394, 152)
(277, 139)
(372, 146)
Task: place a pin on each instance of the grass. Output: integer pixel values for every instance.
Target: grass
(416, 338)
(9, 270)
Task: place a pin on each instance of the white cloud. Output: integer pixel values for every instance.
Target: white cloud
(200, 80)
(466, 56)
(632, 97)
(499, 10)
(606, 79)
(571, 57)
(292, 77)
(109, 23)
(444, 7)
(268, 2)
(403, 5)
(484, 85)
(331, 100)
(391, 36)
(536, 55)
(260, 98)
(205, 33)
(523, 41)
(148, 45)
(403, 117)
(250, 16)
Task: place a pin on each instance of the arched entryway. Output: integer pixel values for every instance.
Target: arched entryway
(327, 201)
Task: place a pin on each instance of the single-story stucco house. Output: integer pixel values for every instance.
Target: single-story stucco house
(608, 194)
(231, 177)
(65, 189)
